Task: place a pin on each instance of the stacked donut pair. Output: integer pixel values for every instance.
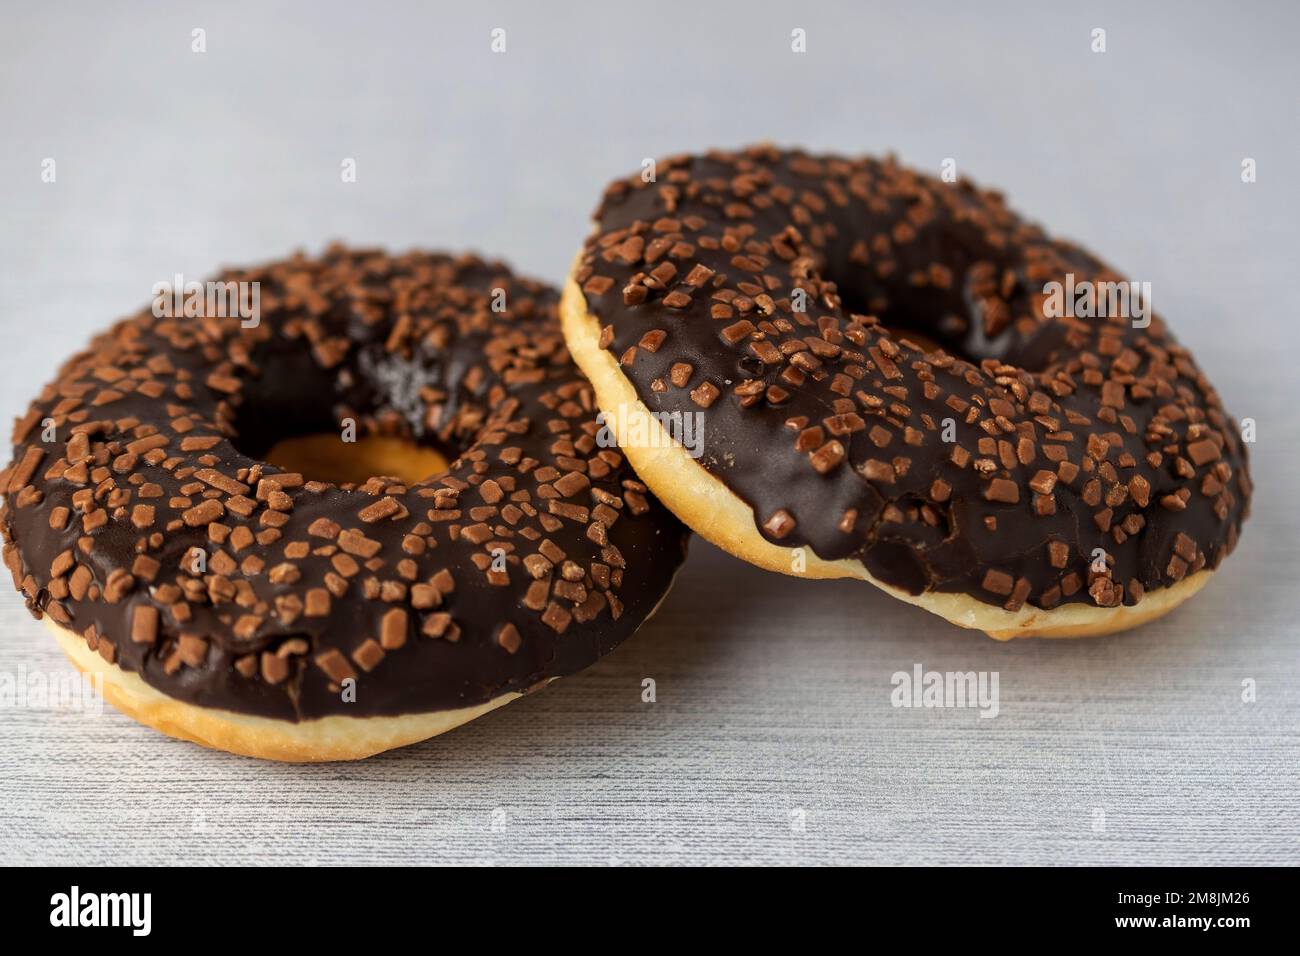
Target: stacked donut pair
(881, 388)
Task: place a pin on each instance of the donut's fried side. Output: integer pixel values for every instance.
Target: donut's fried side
(308, 741)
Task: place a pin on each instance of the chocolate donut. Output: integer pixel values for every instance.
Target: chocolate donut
(227, 601)
(889, 388)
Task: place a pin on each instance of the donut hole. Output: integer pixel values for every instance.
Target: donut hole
(932, 322)
(325, 457)
(332, 426)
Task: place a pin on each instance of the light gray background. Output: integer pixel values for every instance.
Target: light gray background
(773, 694)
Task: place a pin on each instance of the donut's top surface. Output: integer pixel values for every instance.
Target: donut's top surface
(536, 552)
(772, 292)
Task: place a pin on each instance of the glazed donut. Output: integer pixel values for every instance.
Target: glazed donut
(888, 391)
(263, 612)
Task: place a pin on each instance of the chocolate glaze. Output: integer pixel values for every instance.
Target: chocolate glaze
(1071, 432)
(407, 345)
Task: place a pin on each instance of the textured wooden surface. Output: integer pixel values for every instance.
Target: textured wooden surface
(773, 738)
